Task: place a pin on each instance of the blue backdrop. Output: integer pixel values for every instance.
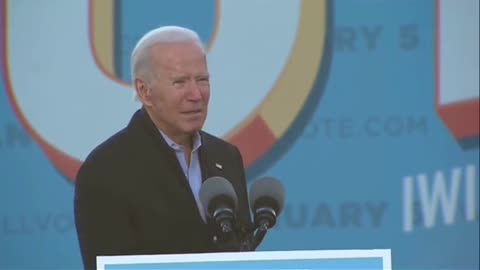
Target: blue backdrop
(369, 161)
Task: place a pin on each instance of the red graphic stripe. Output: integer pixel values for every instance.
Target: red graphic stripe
(462, 118)
(254, 140)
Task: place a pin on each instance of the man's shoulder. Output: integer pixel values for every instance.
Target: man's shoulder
(112, 146)
(117, 146)
(111, 153)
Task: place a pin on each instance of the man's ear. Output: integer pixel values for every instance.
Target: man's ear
(143, 92)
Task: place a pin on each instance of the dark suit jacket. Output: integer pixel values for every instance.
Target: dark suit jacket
(131, 196)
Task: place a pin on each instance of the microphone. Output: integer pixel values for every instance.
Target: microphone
(267, 198)
(219, 199)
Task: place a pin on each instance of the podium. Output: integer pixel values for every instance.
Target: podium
(302, 259)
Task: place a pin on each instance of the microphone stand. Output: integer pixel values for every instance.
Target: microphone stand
(251, 243)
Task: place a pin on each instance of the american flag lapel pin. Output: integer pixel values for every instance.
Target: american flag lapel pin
(219, 166)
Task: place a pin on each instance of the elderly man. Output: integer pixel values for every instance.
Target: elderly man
(138, 192)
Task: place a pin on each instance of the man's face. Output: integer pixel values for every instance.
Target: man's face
(179, 93)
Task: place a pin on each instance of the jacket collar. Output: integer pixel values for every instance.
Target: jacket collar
(141, 122)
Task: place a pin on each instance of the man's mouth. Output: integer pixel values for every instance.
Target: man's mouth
(192, 112)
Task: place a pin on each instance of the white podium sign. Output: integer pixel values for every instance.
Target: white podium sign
(311, 259)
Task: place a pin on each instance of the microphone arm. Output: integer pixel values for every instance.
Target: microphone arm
(255, 237)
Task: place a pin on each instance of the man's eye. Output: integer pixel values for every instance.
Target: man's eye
(178, 83)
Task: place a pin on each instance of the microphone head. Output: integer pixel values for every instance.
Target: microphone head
(267, 192)
(217, 192)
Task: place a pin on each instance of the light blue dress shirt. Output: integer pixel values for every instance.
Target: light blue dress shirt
(193, 172)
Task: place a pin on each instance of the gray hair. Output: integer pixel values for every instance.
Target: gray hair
(163, 35)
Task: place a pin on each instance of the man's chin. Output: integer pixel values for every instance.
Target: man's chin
(193, 129)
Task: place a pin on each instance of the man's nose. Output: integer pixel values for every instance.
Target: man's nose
(194, 92)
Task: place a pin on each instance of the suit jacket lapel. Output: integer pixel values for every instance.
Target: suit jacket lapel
(171, 176)
(209, 159)
(202, 156)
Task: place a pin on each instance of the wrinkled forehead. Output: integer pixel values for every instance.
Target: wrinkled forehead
(187, 53)
(166, 49)
(178, 58)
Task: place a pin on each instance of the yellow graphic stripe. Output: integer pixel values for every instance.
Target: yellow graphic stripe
(102, 28)
(296, 81)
